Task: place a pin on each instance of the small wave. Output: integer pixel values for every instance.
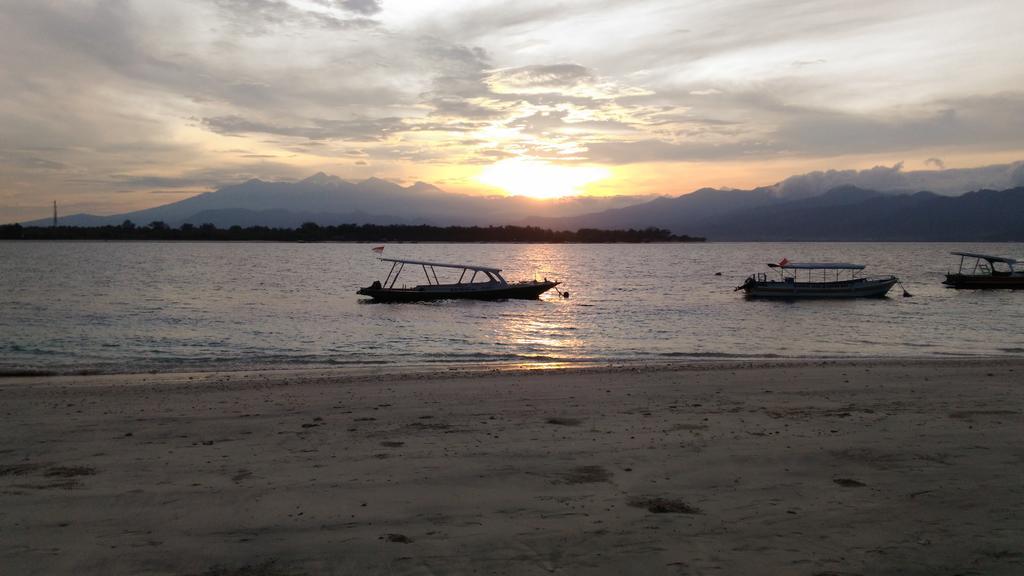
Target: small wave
(27, 372)
(715, 355)
(545, 358)
(334, 362)
(469, 357)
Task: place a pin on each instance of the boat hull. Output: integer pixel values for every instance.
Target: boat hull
(518, 291)
(873, 288)
(985, 282)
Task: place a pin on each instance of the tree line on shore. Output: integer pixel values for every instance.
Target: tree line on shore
(312, 232)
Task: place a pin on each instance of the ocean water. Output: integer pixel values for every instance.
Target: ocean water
(69, 307)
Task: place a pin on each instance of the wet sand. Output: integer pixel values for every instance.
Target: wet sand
(853, 467)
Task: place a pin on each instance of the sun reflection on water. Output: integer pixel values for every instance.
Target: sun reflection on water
(218, 306)
(555, 337)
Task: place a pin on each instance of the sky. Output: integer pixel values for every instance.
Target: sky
(113, 105)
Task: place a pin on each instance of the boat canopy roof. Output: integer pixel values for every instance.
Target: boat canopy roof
(985, 257)
(818, 266)
(440, 265)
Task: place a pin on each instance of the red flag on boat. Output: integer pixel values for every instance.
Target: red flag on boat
(378, 249)
(784, 261)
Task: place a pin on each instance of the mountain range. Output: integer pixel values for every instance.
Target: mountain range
(841, 213)
(329, 200)
(844, 213)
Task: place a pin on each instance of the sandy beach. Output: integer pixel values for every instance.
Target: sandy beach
(816, 468)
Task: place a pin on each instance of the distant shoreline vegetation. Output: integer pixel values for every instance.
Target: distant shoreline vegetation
(311, 232)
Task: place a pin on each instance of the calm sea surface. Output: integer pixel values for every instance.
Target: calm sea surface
(135, 306)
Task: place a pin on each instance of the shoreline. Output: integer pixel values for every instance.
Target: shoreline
(881, 466)
(352, 372)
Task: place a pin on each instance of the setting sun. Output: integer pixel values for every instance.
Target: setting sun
(539, 179)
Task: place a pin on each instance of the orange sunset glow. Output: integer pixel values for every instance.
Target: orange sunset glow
(154, 102)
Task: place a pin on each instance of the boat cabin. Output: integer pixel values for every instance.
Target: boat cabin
(474, 282)
(985, 271)
(972, 264)
(813, 272)
(488, 276)
(817, 280)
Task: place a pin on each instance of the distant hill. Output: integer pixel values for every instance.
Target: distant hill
(859, 215)
(310, 232)
(280, 218)
(679, 213)
(326, 200)
(845, 213)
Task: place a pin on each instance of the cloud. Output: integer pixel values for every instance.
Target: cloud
(266, 16)
(97, 89)
(539, 78)
(802, 63)
(894, 178)
(133, 181)
(815, 183)
(571, 82)
(937, 162)
(458, 88)
(32, 163)
(358, 130)
(660, 151)
(367, 7)
(541, 122)
(978, 123)
(1017, 174)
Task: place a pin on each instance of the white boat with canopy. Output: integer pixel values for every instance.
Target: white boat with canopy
(817, 280)
(474, 282)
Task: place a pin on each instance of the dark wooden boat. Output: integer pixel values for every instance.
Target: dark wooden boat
(985, 272)
(828, 284)
(490, 286)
